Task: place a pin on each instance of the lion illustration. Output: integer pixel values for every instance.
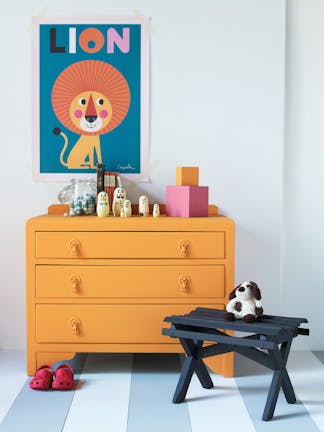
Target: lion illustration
(89, 98)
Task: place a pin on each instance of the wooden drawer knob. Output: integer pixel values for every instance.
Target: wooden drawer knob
(75, 324)
(75, 283)
(74, 247)
(184, 247)
(184, 281)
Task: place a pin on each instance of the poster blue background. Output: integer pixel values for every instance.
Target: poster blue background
(121, 147)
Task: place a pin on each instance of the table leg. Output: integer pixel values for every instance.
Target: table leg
(184, 380)
(280, 379)
(191, 364)
(272, 395)
(286, 383)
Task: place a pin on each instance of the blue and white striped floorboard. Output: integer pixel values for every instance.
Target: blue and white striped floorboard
(102, 394)
(253, 382)
(154, 379)
(40, 411)
(12, 378)
(310, 390)
(133, 393)
(223, 405)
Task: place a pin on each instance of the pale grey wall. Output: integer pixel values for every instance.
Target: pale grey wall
(217, 101)
(303, 234)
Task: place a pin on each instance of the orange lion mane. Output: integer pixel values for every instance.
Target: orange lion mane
(90, 75)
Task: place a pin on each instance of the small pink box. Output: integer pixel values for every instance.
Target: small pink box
(186, 201)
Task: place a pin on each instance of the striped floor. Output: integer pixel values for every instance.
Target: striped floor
(132, 393)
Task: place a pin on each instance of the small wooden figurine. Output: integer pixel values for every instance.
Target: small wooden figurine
(102, 204)
(143, 206)
(118, 201)
(156, 210)
(127, 208)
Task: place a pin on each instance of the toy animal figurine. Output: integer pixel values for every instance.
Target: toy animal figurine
(156, 210)
(143, 206)
(244, 303)
(127, 208)
(102, 204)
(118, 201)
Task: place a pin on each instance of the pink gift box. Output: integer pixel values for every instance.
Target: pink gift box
(186, 201)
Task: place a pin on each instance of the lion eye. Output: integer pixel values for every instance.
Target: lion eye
(100, 101)
(82, 101)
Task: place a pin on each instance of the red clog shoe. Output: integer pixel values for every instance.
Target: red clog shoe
(43, 378)
(63, 378)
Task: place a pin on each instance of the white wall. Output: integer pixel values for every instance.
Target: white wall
(217, 101)
(303, 240)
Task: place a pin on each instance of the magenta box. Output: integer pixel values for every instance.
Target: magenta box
(186, 201)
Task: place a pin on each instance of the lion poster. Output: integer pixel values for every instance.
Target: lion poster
(90, 97)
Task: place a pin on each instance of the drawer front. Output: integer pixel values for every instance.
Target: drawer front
(105, 323)
(207, 281)
(130, 245)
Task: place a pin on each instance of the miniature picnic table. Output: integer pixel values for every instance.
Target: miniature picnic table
(268, 333)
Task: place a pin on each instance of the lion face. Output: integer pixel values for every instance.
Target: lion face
(90, 111)
(83, 96)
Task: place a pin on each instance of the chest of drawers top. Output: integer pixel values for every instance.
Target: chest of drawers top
(53, 222)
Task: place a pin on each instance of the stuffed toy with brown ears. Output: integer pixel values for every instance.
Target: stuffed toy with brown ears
(244, 303)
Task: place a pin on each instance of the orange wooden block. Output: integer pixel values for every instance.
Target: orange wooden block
(187, 176)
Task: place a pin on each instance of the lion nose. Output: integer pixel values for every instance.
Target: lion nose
(91, 119)
(91, 113)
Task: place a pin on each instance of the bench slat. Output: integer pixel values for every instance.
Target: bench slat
(255, 327)
(267, 324)
(287, 326)
(228, 340)
(294, 321)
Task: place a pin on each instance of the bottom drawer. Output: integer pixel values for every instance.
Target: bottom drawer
(106, 323)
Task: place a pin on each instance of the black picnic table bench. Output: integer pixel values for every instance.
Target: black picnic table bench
(269, 345)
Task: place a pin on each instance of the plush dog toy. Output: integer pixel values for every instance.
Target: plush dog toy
(244, 303)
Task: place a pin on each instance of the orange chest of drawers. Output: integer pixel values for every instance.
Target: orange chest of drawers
(105, 284)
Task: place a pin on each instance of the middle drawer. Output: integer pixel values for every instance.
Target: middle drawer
(130, 281)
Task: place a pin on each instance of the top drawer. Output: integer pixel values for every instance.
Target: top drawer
(130, 244)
